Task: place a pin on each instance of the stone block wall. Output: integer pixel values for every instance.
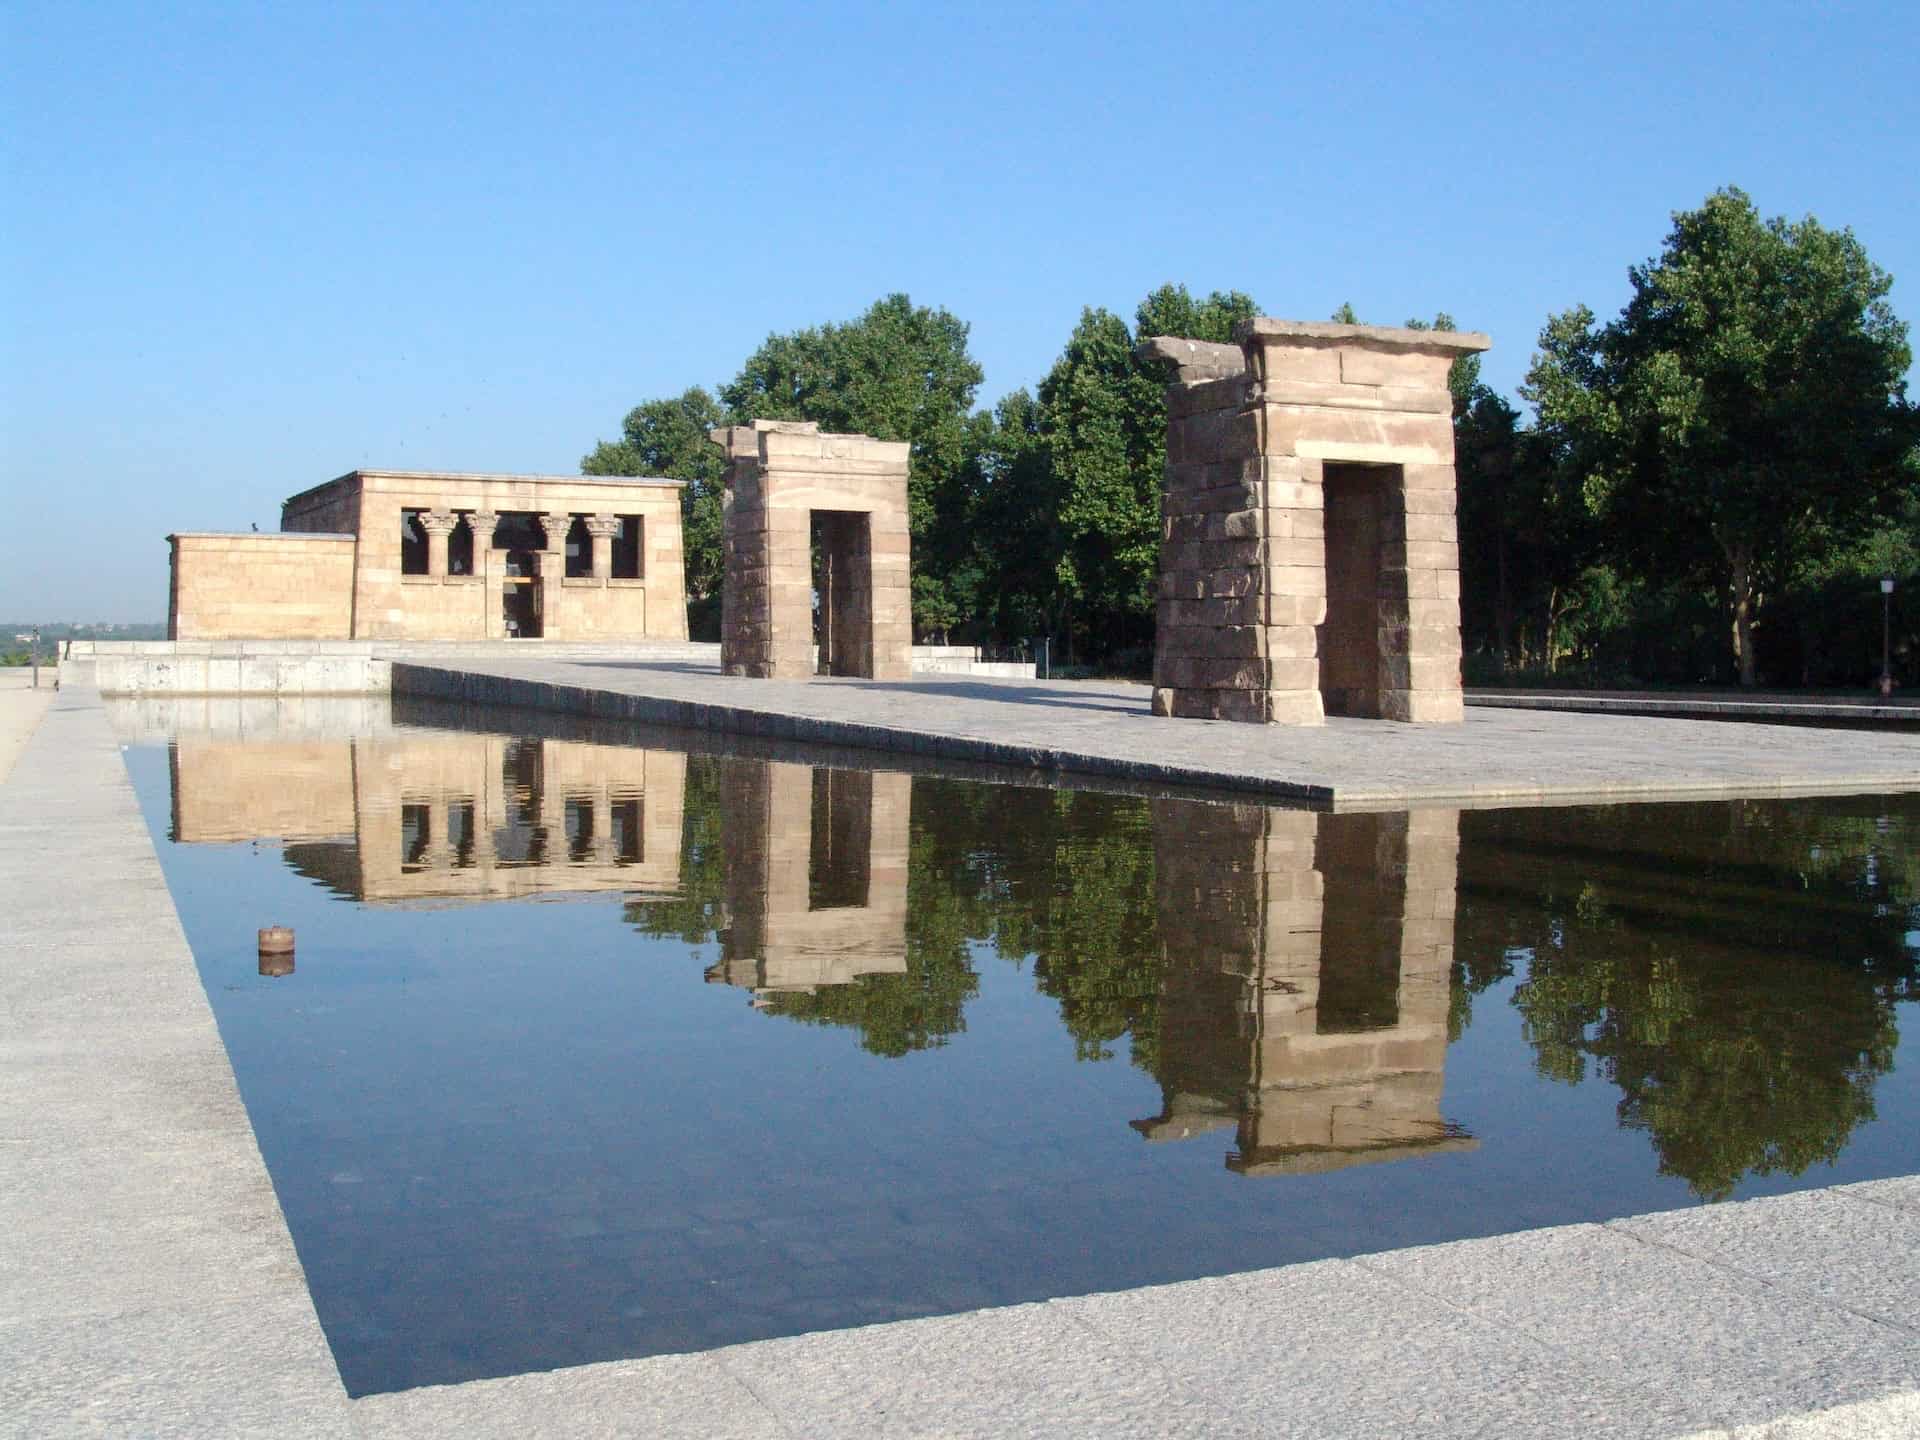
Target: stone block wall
(780, 476)
(1309, 562)
(260, 587)
(442, 605)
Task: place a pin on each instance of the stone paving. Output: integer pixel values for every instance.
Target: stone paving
(1797, 706)
(148, 1284)
(1497, 757)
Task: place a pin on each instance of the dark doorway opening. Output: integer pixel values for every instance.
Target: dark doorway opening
(1350, 640)
(460, 547)
(843, 591)
(579, 549)
(413, 543)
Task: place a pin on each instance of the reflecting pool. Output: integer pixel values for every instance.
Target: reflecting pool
(602, 1046)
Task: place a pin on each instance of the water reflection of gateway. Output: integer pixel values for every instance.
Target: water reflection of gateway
(816, 876)
(428, 815)
(1308, 970)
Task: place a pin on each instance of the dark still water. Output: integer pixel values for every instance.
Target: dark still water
(594, 1051)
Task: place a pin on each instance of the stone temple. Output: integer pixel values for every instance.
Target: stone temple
(419, 555)
(1309, 562)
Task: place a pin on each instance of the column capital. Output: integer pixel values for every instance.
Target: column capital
(556, 524)
(603, 525)
(438, 522)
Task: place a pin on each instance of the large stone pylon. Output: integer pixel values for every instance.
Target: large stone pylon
(1309, 560)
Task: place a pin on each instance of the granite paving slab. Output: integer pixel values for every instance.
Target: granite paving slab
(1497, 757)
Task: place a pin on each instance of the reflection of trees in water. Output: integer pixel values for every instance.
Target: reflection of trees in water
(1063, 877)
(1731, 967)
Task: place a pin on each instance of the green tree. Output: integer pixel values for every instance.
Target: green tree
(669, 438)
(1731, 968)
(899, 372)
(1101, 423)
(1745, 410)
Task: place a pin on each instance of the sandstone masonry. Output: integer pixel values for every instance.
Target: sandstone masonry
(415, 555)
(790, 487)
(1309, 563)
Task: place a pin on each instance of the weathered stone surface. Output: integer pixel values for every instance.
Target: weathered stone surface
(1310, 483)
(785, 481)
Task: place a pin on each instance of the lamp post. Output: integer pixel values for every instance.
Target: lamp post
(1886, 636)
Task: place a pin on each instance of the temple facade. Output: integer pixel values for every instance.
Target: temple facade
(412, 555)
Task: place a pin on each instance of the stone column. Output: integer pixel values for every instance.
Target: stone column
(556, 523)
(603, 528)
(439, 525)
(482, 523)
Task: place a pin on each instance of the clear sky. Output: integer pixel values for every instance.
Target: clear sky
(247, 248)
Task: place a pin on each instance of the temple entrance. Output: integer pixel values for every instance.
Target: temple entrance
(842, 551)
(1350, 670)
(520, 542)
(520, 605)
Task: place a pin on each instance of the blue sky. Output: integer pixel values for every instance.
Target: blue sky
(244, 249)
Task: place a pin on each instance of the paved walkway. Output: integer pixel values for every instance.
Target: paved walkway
(1798, 706)
(148, 1285)
(21, 707)
(1105, 728)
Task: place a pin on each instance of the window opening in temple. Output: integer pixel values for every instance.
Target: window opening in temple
(1361, 925)
(521, 536)
(626, 549)
(842, 591)
(839, 867)
(579, 823)
(460, 833)
(629, 848)
(413, 543)
(416, 836)
(460, 546)
(1350, 670)
(522, 838)
(579, 549)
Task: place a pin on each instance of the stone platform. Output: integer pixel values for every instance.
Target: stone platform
(1778, 707)
(148, 1284)
(1105, 729)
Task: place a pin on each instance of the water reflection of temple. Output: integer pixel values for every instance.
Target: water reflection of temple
(816, 876)
(441, 816)
(1305, 995)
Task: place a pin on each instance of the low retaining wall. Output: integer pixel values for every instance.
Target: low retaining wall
(486, 690)
(363, 667)
(228, 667)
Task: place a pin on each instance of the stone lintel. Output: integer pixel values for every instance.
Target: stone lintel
(1194, 360)
(789, 444)
(1386, 337)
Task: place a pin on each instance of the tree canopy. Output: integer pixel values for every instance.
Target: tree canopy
(1745, 410)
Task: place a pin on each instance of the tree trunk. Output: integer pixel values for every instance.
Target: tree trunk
(1740, 558)
(1553, 621)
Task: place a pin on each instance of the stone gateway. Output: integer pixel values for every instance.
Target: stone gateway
(1309, 562)
(815, 529)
